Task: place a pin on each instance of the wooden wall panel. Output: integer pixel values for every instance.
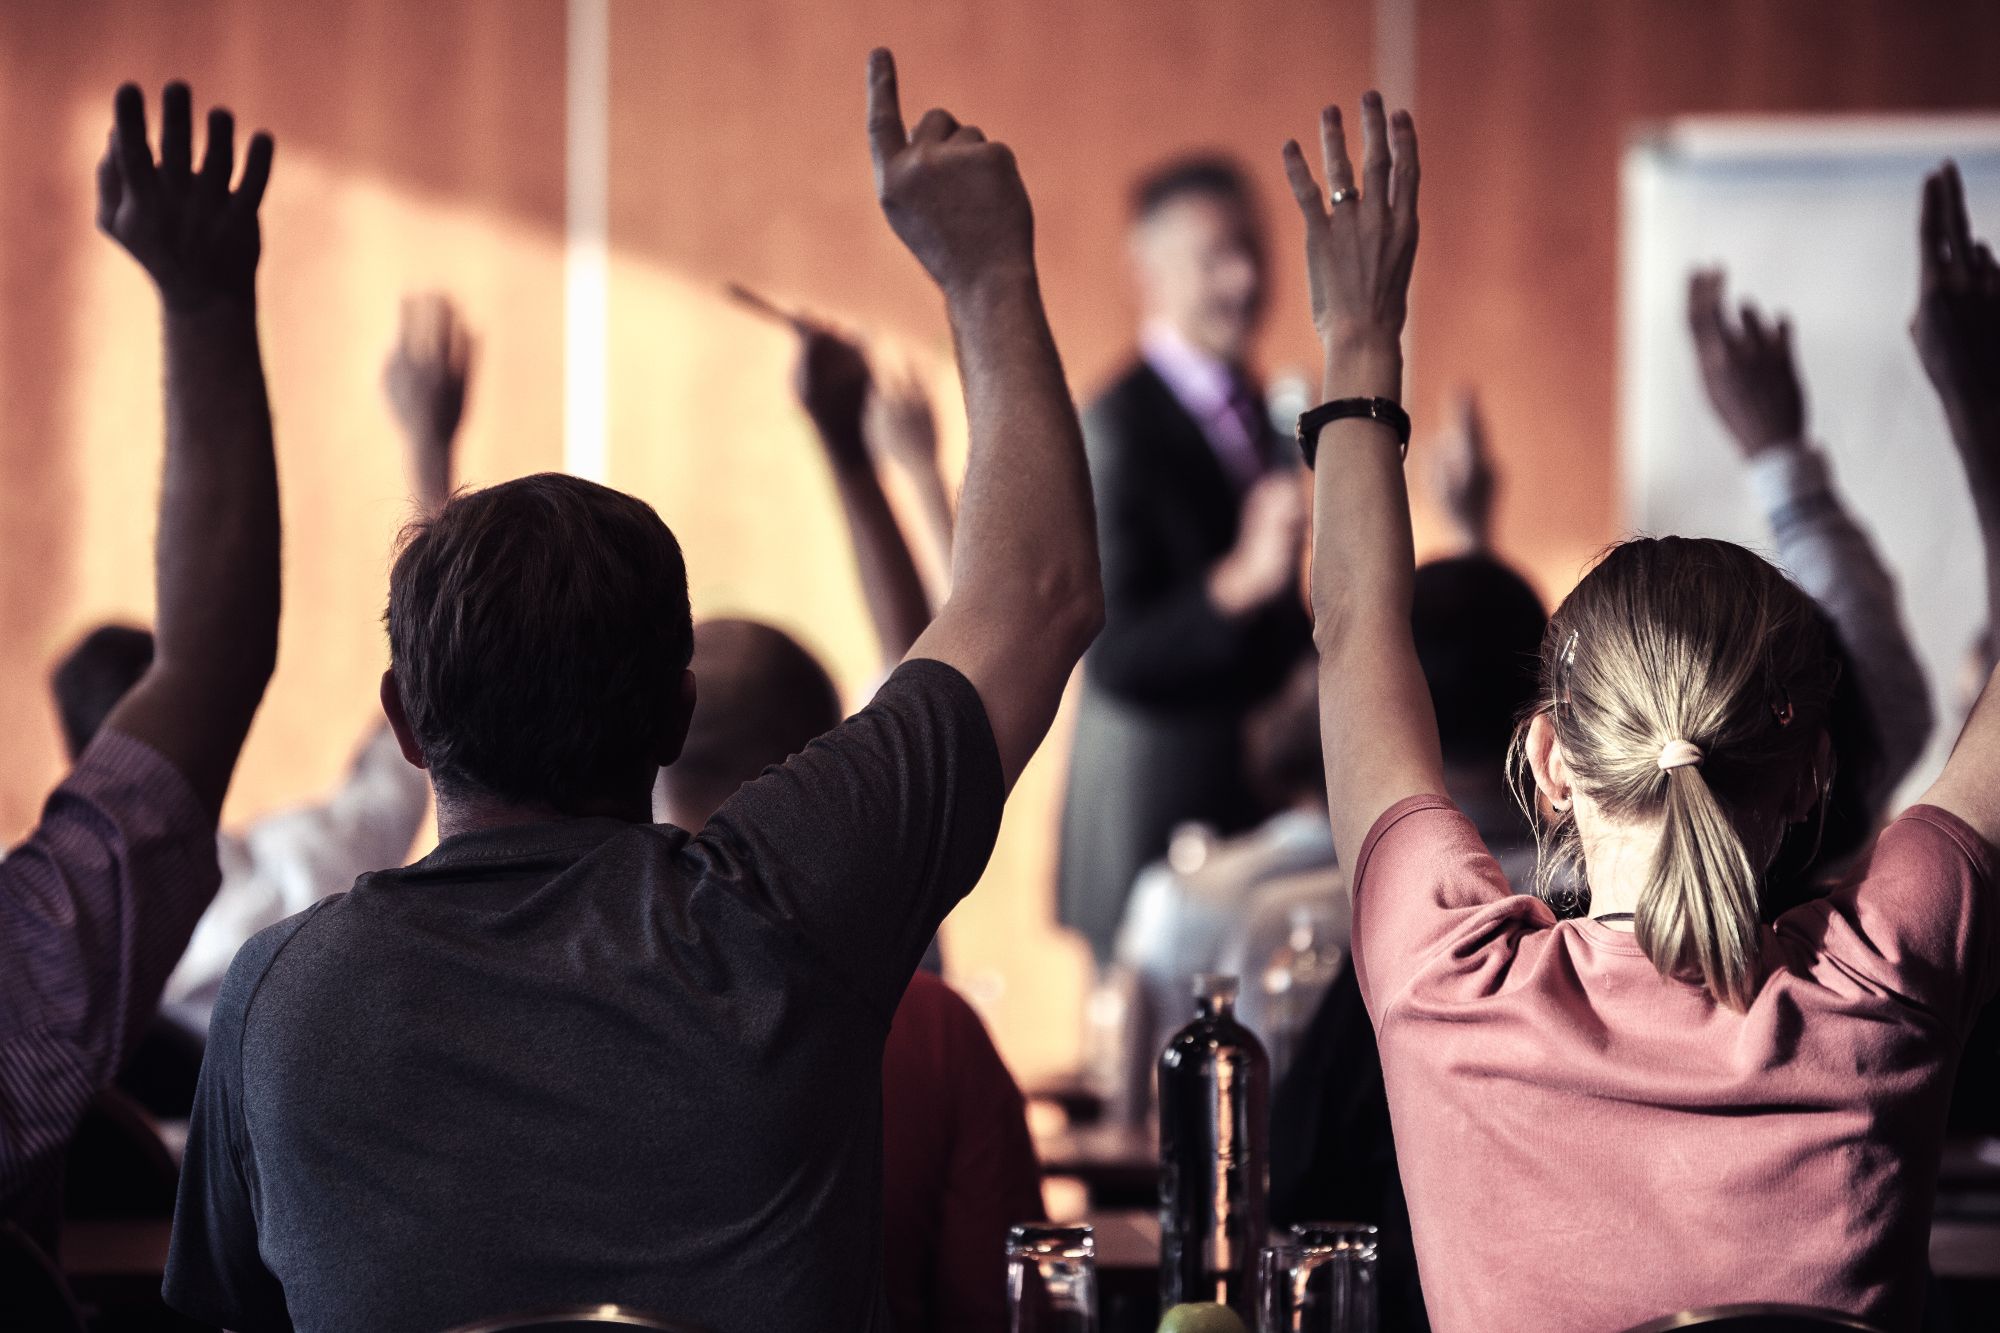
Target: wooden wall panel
(1525, 107)
(423, 145)
(418, 146)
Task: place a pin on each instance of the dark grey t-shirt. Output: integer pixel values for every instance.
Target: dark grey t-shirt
(592, 1061)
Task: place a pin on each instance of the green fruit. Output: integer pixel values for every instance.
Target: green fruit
(1202, 1317)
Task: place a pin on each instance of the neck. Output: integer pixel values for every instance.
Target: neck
(479, 812)
(1618, 864)
(1162, 329)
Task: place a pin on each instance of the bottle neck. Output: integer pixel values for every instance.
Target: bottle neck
(1216, 1006)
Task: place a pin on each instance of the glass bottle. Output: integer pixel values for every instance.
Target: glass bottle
(1215, 1091)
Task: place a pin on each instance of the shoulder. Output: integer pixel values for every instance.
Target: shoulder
(123, 793)
(1427, 838)
(257, 960)
(1135, 397)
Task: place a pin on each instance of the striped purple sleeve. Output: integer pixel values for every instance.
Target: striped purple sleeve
(95, 908)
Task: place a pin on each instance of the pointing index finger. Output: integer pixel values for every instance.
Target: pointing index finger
(886, 137)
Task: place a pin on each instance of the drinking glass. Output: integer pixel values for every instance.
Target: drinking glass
(1323, 1281)
(1051, 1279)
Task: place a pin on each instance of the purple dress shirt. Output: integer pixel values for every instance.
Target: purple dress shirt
(1216, 395)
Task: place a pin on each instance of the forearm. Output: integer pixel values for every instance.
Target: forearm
(1377, 726)
(216, 553)
(1364, 556)
(430, 470)
(1827, 551)
(897, 603)
(1025, 545)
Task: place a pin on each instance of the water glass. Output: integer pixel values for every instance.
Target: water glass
(1051, 1279)
(1323, 1281)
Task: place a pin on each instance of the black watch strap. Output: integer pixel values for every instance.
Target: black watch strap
(1384, 410)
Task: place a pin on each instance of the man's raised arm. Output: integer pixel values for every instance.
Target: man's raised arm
(216, 555)
(1026, 598)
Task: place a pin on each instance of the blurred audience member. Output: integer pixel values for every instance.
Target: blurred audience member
(958, 1165)
(860, 421)
(574, 1055)
(1200, 520)
(1191, 911)
(97, 904)
(1882, 715)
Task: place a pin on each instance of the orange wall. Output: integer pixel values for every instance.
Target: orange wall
(422, 145)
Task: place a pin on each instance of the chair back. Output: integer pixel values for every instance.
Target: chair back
(36, 1295)
(118, 1164)
(1758, 1318)
(580, 1319)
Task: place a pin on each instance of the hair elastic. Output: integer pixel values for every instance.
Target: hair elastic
(1679, 754)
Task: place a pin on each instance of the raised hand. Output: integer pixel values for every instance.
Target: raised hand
(425, 380)
(832, 380)
(954, 199)
(1957, 323)
(1747, 368)
(1361, 244)
(192, 233)
(1463, 476)
(1263, 565)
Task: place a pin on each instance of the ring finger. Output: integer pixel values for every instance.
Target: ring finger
(1333, 156)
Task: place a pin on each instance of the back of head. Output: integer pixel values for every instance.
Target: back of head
(762, 698)
(93, 676)
(1478, 628)
(1678, 640)
(538, 630)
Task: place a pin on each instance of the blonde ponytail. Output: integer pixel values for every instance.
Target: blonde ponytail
(1687, 681)
(1698, 913)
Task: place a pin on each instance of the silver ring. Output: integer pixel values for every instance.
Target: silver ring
(1335, 198)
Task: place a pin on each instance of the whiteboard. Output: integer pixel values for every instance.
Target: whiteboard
(1816, 218)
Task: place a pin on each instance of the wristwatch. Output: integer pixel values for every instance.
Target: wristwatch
(1384, 410)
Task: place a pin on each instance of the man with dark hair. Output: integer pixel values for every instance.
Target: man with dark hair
(289, 860)
(98, 902)
(574, 1056)
(1200, 523)
(958, 1163)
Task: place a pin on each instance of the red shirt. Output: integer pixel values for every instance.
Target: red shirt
(958, 1167)
(1587, 1145)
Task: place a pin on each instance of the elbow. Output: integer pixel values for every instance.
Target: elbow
(1075, 602)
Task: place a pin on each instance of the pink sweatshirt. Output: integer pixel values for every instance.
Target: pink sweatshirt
(1587, 1145)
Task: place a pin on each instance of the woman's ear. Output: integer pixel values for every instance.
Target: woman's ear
(1546, 762)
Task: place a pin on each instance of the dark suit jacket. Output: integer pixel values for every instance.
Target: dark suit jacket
(1169, 681)
(1166, 512)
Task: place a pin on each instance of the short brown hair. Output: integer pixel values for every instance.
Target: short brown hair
(538, 630)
